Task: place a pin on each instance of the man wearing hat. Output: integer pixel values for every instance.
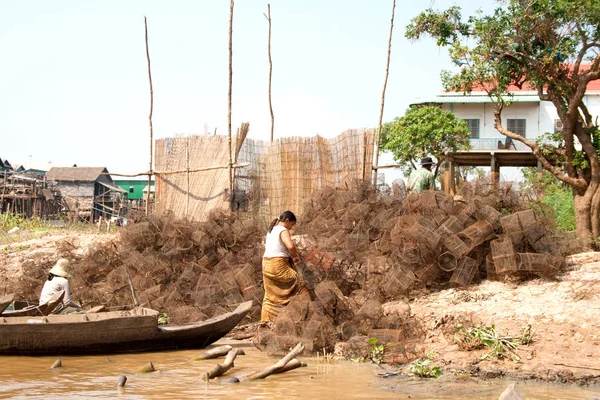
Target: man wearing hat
(58, 281)
(422, 178)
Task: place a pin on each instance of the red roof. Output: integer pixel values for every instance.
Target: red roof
(593, 85)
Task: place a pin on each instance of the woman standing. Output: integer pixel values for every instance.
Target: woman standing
(280, 280)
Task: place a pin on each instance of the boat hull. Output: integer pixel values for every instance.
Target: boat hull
(112, 332)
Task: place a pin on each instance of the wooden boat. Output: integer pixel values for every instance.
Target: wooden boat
(6, 301)
(35, 310)
(136, 330)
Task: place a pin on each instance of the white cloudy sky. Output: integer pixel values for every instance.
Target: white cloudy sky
(74, 88)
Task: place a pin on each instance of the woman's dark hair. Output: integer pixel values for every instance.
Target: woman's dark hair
(284, 215)
(50, 276)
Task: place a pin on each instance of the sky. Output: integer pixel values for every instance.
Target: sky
(74, 85)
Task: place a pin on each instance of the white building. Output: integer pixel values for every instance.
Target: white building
(526, 115)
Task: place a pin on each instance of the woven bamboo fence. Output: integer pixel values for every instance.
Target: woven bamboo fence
(191, 194)
(277, 177)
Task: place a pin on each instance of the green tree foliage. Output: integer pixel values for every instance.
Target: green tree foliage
(555, 194)
(424, 131)
(548, 46)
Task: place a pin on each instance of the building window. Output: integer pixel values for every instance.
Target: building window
(516, 125)
(130, 189)
(473, 127)
(558, 126)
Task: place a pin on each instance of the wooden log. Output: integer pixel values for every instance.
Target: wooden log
(214, 353)
(57, 364)
(122, 381)
(220, 369)
(279, 364)
(293, 364)
(145, 368)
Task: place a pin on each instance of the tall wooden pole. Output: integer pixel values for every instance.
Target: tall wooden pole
(387, 72)
(187, 167)
(149, 117)
(268, 16)
(229, 97)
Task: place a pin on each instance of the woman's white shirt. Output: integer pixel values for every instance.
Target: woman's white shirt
(274, 246)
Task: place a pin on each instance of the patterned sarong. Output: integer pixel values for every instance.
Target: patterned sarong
(281, 283)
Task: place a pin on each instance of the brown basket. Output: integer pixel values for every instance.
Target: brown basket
(503, 255)
(476, 234)
(450, 226)
(455, 245)
(428, 273)
(490, 268)
(447, 262)
(424, 235)
(537, 263)
(527, 219)
(465, 272)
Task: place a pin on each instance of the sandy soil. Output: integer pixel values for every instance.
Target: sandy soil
(564, 314)
(42, 250)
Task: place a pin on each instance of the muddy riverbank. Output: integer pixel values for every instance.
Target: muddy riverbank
(561, 312)
(178, 376)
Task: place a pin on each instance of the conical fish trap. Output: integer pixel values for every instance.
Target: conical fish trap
(542, 264)
(512, 228)
(490, 214)
(447, 262)
(424, 235)
(490, 268)
(445, 202)
(503, 255)
(465, 272)
(455, 245)
(467, 213)
(449, 227)
(428, 273)
(476, 234)
(428, 200)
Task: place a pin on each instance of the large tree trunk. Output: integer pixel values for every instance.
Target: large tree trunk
(583, 213)
(595, 214)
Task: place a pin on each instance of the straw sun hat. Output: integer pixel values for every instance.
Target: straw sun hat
(62, 268)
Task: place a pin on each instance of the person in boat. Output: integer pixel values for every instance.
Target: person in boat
(280, 279)
(58, 280)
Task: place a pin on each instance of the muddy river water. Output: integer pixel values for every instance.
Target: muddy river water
(177, 376)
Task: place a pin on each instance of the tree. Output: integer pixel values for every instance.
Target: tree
(546, 189)
(549, 46)
(424, 131)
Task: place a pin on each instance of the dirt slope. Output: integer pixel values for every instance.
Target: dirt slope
(564, 316)
(563, 313)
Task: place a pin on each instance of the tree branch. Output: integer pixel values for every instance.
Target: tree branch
(220, 369)
(268, 16)
(214, 353)
(149, 115)
(387, 72)
(579, 184)
(279, 365)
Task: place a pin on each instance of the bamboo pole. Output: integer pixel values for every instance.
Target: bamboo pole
(279, 365)
(220, 369)
(268, 17)
(214, 353)
(129, 175)
(241, 165)
(387, 72)
(149, 115)
(187, 167)
(229, 95)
